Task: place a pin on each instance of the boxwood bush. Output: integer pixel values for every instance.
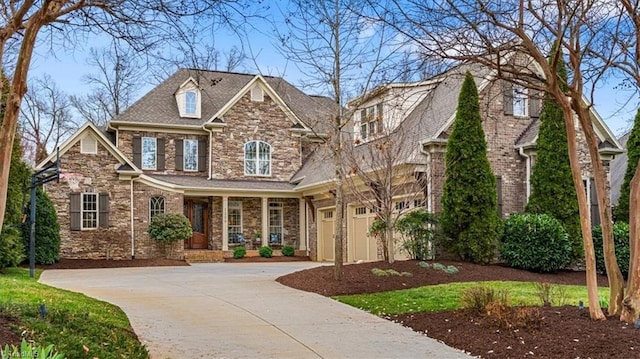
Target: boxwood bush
(288, 251)
(535, 242)
(265, 251)
(169, 228)
(239, 252)
(621, 243)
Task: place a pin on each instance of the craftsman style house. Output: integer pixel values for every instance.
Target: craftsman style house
(243, 157)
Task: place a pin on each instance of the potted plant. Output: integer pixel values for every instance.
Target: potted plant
(257, 236)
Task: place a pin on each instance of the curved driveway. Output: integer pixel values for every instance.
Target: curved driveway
(224, 310)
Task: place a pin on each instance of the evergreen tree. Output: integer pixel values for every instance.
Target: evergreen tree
(553, 191)
(633, 155)
(469, 216)
(47, 230)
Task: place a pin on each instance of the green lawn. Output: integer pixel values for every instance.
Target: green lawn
(447, 297)
(73, 321)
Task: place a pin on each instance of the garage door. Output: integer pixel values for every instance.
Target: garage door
(325, 235)
(362, 245)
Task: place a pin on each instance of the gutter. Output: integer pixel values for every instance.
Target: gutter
(133, 244)
(528, 172)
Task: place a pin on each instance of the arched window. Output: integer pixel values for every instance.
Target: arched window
(156, 206)
(257, 158)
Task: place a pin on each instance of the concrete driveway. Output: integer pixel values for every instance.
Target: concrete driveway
(224, 310)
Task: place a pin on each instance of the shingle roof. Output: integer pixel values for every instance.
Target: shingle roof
(200, 182)
(529, 136)
(618, 167)
(217, 89)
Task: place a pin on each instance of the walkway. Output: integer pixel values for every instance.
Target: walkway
(223, 310)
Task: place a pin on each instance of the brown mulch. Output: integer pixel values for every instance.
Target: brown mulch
(557, 332)
(111, 263)
(256, 259)
(7, 334)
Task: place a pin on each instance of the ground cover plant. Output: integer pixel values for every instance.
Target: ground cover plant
(78, 326)
(558, 331)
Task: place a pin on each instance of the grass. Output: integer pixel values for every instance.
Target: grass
(73, 323)
(447, 297)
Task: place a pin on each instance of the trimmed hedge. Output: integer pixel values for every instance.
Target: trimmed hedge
(169, 228)
(265, 251)
(239, 252)
(288, 251)
(535, 242)
(621, 243)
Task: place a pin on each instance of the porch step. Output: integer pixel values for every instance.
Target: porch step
(203, 256)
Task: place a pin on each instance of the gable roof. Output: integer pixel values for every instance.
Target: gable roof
(218, 89)
(125, 164)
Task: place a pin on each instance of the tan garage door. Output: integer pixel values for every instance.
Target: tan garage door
(325, 235)
(362, 246)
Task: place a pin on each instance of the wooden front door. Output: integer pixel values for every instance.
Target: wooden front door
(197, 211)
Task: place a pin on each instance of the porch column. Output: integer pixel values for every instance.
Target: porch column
(302, 224)
(265, 221)
(225, 223)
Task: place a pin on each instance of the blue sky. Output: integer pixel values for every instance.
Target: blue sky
(67, 69)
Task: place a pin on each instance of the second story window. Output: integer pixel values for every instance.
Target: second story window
(257, 158)
(371, 121)
(190, 105)
(519, 101)
(190, 155)
(149, 153)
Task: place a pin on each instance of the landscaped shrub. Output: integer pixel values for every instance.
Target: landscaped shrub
(47, 231)
(265, 251)
(168, 228)
(535, 242)
(621, 243)
(11, 248)
(418, 233)
(239, 252)
(288, 251)
(479, 299)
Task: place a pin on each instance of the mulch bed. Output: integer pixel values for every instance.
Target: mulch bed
(256, 259)
(7, 334)
(558, 332)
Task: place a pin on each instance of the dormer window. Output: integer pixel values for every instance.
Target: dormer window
(190, 107)
(371, 122)
(188, 99)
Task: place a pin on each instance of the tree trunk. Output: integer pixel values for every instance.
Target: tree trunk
(631, 303)
(616, 281)
(390, 244)
(338, 232)
(595, 312)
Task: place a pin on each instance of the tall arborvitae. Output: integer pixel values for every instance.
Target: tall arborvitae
(469, 216)
(552, 188)
(633, 155)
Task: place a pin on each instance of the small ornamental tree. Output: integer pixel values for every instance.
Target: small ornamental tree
(553, 191)
(469, 216)
(168, 228)
(47, 231)
(633, 155)
(418, 233)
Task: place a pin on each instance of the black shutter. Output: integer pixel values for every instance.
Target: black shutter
(74, 212)
(179, 155)
(593, 201)
(202, 155)
(534, 103)
(379, 118)
(137, 151)
(160, 153)
(499, 191)
(103, 210)
(507, 98)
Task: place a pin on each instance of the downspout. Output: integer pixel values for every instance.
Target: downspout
(117, 132)
(209, 149)
(133, 250)
(528, 172)
(306, 221)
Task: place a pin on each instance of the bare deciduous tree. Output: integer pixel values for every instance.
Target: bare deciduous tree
(45, 117)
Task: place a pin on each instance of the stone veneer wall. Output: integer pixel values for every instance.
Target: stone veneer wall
(92, 173)
(145, 246)
(125, 144)
(247, 121)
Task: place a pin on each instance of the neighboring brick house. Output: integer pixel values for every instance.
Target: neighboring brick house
(240, 154)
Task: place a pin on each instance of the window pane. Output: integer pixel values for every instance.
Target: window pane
(190, 102)
(363, 131)
(250, 158)
(235, 222)
(149, 153)
(190, 155)
(89, 210)
(519, 101)
(156, 206)
(275, 226)
(265, 159)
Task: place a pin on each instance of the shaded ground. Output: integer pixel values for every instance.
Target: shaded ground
(8, 334)
(107, 263)
(559, 332)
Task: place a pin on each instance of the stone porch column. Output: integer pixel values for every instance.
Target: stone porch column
(302, 224)
(265, 221)
(225, 223)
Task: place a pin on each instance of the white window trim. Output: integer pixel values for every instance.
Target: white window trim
(373, 110)
(82, 211)
(164, 205)
(155, 161)
(184, 155)
(181, 100)
(280, 208)
(257, 161)
(195, 103)
(235, 205)
(83, 147)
